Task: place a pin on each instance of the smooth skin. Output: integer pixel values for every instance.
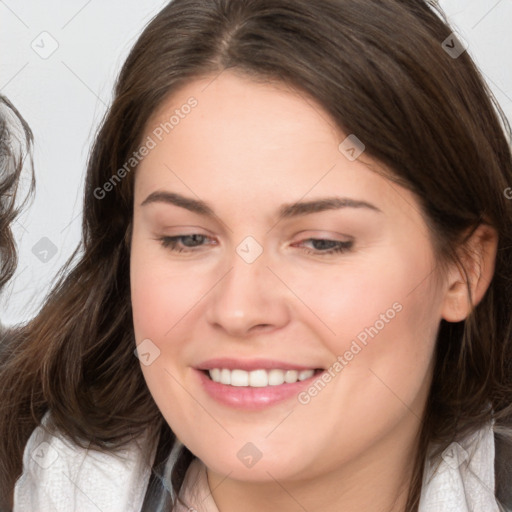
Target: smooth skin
(246, 149)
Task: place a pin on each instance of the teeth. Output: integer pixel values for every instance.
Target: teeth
(275, 377)
(306, 374)
(291, 376)
(239, 378)
(258, 378)
(225, 376)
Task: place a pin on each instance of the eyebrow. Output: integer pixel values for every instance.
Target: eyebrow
(286, 211)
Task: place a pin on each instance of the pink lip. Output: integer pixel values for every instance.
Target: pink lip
(250, 364)
(248, 398)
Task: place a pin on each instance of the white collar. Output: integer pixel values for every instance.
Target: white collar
(462, 479)
(59, 476)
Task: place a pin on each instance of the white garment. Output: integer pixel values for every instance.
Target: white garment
(463, 479)
(60, 477)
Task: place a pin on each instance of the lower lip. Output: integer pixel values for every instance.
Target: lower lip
(245, 397)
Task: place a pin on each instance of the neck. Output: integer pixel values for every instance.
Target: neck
(377, 481)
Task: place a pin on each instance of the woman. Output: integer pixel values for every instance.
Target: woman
(295, 217)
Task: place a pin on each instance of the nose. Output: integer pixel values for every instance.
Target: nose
(248, 299)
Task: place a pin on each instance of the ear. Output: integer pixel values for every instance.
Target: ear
(479, 261)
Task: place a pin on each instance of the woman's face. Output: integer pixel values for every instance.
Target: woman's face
(245, 262)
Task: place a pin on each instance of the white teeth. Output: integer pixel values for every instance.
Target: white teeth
(258, 378)
(239, 378)
(306, 374)
(275, 377)
(225, 376)
(291, 376)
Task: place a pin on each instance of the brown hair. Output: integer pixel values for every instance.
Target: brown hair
(15, 147)
(379, 69)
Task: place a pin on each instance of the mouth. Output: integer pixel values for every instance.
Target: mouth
(254, 384)
(259, 378)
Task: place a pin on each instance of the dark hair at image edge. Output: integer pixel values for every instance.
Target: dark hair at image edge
(15, 147)
(378, 69)
(16, 165)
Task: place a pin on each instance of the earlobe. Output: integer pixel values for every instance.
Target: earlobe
(478, 258)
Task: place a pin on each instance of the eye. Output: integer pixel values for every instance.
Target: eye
(188, 242)
(325, 246)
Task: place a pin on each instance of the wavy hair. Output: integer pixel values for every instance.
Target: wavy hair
(16, 141)
(379, 69)
(16, 161)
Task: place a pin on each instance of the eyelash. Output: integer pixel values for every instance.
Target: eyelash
(171, 242)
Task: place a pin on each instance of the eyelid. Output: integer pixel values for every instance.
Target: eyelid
(338, 248)
(322, 234)
(184, 230)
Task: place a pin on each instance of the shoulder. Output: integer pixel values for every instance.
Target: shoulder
(503, 466)
(61, 476)
(462, 477)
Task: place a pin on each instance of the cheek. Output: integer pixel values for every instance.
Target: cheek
(385, 321)
(380, 316)
(161, 294)
(353, 295)
(161, 298)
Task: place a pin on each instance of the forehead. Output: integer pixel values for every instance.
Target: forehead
(261, 140)
(249, 116)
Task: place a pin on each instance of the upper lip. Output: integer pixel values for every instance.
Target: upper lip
(251, 364)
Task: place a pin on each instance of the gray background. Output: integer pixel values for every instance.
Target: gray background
(58, 64)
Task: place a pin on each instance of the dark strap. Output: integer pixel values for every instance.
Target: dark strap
(158, 497)
(503, 471)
